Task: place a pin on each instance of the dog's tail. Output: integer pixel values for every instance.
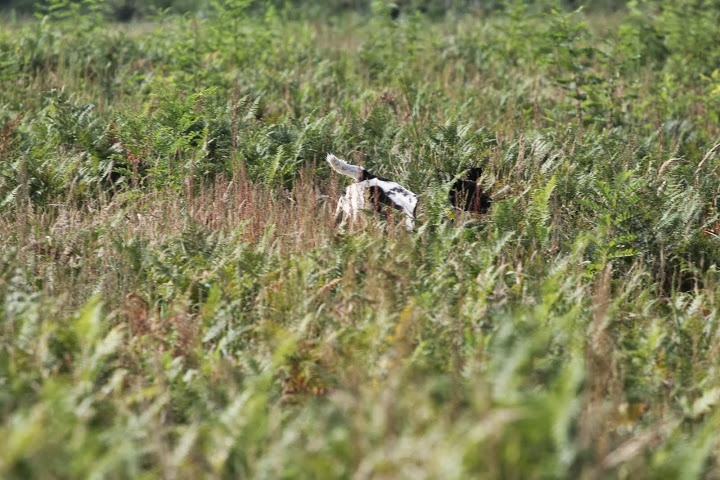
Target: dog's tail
(345, 168)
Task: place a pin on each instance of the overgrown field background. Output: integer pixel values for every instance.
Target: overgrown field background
(177, 302)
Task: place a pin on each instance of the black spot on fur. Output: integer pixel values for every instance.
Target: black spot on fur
(399, 191)
(467, 195)
(380, 199)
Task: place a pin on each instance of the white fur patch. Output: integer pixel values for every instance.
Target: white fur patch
(401, 197)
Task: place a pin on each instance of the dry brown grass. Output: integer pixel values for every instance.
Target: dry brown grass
(77, 250)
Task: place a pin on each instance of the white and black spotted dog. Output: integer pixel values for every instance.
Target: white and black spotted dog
(377, 194)
(372, 193)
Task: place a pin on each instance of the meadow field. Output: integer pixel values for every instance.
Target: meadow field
(177, 301)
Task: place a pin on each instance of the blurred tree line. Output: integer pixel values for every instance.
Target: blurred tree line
(127, 10)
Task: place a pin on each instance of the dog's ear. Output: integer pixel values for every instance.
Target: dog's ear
(474, 174)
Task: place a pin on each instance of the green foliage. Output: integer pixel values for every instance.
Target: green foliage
(176, 301)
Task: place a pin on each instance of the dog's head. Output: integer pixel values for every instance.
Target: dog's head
(467, 192)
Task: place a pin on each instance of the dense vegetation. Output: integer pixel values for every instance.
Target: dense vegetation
(126, 10)
(177, 303)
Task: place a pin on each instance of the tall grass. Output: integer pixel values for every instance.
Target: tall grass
(177, 302)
